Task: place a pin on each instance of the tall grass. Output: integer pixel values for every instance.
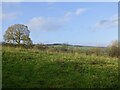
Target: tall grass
(36, 68)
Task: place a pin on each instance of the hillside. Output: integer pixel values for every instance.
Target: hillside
(35, 68)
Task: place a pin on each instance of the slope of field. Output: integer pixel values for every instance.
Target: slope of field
(27, 68)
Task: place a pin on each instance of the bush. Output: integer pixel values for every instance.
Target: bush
(89, 52)
(97, 51)
(40, 47)
(113, 49)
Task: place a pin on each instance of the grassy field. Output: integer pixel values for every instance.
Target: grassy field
(30, 68)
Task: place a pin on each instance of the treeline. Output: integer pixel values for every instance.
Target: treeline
(112, 50)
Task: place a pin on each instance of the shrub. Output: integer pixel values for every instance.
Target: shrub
(40, 47)
(97, 51)
(113, 49)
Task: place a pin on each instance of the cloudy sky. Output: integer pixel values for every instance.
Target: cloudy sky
(83, 23)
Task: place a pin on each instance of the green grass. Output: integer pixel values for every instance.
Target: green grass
(42, 69)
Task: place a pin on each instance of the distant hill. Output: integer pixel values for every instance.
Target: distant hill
(59, 44)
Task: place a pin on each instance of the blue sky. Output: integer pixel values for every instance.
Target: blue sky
(83, 23)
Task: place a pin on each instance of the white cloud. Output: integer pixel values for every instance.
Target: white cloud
(67, 14)
(6, 16)
(50, 23)
(77, 12)
(45, 24)
(80, 11)
(107, 23)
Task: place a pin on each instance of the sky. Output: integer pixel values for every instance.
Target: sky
(77, 23)
(60, 0)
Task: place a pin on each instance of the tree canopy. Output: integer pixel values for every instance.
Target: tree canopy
(17, 34)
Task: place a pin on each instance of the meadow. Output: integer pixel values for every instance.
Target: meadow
(37, 68)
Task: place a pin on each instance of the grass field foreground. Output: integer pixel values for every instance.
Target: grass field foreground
(31, 68)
